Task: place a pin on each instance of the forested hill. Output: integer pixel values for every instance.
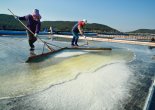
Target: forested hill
(149, 31)
(7, 22)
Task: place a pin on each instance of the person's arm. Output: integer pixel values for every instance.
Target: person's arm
(38, 27)
(80, 30)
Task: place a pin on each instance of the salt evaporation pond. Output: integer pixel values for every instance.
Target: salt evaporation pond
(117, 79)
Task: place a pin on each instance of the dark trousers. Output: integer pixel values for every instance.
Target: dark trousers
(75, 38)
(31, 40)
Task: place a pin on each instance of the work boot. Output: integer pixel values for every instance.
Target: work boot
(76, 45)
(32, 53)
(32, 49)
(72, 45)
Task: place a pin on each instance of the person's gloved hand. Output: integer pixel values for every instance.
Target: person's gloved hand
(16, 17)
(84, 36)
(36, 35)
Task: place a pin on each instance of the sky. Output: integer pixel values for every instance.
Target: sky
(123, 15)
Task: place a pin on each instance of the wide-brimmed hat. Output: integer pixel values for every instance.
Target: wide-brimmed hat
(35, 13)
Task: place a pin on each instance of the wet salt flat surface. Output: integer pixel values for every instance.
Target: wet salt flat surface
(75, 79)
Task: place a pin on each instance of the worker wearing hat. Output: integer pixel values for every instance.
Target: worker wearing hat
(78, 28)
(34, 24)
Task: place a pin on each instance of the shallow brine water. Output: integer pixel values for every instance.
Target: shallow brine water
(75, 79)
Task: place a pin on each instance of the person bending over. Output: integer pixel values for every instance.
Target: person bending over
(34, 24)
(78, 28)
